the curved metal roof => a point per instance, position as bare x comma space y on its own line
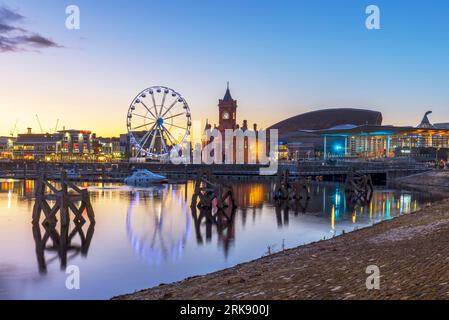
328, 118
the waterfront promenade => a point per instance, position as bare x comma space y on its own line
410, 251
116, 172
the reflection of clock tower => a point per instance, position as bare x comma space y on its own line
227, 108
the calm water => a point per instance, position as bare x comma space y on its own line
146, 236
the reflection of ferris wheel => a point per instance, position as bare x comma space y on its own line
158, 224
158, 119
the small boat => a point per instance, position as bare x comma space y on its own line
144, 177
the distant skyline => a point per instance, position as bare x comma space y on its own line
282, 58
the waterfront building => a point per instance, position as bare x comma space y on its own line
368, 141
355, 133
6, 147
298, 138
227, 119
125, 146
64, 145
35, 146
441, 125
77, 145
127, 149
227, 112
109, 148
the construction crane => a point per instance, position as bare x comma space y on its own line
15, 129
56, 126
39, 123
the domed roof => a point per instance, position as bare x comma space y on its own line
328, 118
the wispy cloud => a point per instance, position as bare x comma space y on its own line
16, 39
8, 15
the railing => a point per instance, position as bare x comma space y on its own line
101, 172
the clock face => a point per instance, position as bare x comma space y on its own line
225, 115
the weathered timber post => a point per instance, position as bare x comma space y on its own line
207, 192
64, 203
39, 194
285, 190
359, 187
63, 200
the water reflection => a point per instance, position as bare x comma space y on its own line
23, 189
56, 208
159, 220
158, 223
223, 221
251, 195
61, 244
151, 235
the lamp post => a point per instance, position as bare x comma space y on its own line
325, 147
436, 155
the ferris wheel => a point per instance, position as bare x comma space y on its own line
158, 119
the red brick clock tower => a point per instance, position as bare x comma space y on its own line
227, 112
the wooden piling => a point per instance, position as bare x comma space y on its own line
288, 189
50, 201
358, 187
207, 192
65, 202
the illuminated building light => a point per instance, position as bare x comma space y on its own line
338, 148
333, 218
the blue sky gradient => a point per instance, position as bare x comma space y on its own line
282, 58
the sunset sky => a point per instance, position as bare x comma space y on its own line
282, 58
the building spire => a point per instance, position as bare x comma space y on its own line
425, 123
227, 96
